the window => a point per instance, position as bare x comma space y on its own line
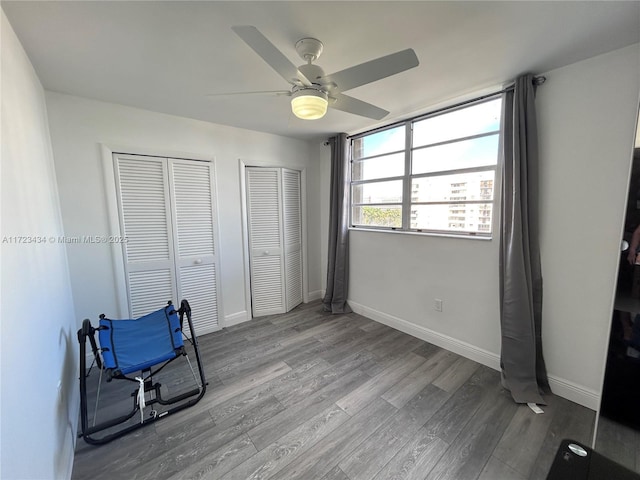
435, 173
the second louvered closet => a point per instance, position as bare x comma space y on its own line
168, 218
275, 239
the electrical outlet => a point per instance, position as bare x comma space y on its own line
437, 304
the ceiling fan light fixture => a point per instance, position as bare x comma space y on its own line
309, 104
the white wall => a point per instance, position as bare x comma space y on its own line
38, 329
586, 125
586, 115
79, 127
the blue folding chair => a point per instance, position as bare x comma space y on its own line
136, 351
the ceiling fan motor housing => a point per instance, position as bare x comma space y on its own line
312, 72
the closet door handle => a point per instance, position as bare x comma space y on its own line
198, 261
266, 252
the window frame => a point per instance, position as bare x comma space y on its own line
407, 205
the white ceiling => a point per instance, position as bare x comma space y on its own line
167, 56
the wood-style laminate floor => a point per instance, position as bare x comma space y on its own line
307, 395
619, 443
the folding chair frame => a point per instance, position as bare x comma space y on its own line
88, 332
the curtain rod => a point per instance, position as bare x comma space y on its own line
536, 81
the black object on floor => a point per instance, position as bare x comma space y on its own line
574, 461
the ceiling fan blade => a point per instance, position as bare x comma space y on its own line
357, 107
373, 70
257, 92
270, 54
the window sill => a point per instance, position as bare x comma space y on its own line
426, 234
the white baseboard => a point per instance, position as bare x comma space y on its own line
448, 343
317, 295
236, 318
561, 387
576, 393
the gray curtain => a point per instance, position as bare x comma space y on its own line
523, 370
335, 299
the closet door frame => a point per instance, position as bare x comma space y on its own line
243, 164
107, 153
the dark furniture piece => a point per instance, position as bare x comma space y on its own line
574, 461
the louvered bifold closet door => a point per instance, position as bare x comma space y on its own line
264, 212
194, 220
291, 202
145, 220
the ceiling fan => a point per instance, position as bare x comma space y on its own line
312, 91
